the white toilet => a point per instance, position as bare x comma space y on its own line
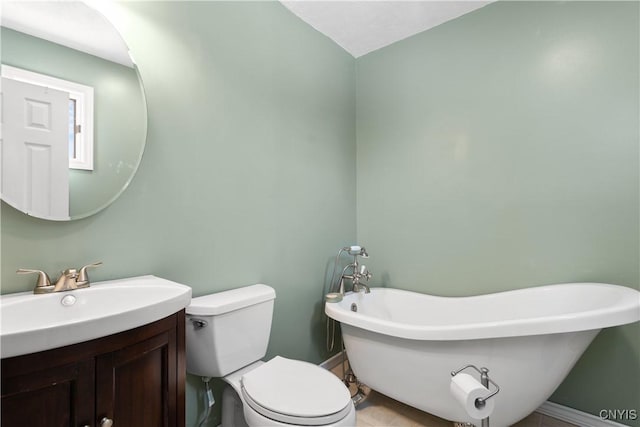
227, 335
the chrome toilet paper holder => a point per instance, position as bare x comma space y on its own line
484, 380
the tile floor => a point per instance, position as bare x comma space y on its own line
378, 410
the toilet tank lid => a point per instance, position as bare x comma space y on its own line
234, 299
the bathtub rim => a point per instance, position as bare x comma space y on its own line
624, 311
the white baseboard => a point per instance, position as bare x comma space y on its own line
574, 416
550, 409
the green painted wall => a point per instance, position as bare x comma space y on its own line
248, 174
497, 151
500, 151
119, 113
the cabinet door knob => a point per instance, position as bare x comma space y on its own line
106, 422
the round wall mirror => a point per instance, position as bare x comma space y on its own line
74, 116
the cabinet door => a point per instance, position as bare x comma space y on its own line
60, 396
136, 386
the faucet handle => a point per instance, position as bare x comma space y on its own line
364, 272
43, 278
82, 274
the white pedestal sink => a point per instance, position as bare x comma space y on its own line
30, 323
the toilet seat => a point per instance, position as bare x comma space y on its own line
296, 392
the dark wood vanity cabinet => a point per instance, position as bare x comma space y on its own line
135, 378
48, 396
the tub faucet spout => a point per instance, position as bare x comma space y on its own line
357, 287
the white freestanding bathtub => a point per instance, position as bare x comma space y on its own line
405, 344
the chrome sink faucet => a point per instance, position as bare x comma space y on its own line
69, 279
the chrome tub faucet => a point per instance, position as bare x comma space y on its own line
359, 272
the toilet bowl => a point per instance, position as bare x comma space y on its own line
286, 392
228, 334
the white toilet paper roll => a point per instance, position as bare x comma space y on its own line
466, 389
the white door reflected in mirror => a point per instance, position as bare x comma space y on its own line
35, 171
79, 117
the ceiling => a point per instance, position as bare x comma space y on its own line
69, 23
360, 27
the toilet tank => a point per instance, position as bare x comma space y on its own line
228, 330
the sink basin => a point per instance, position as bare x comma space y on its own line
31, 323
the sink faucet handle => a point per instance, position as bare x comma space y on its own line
43, 278
82, 274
